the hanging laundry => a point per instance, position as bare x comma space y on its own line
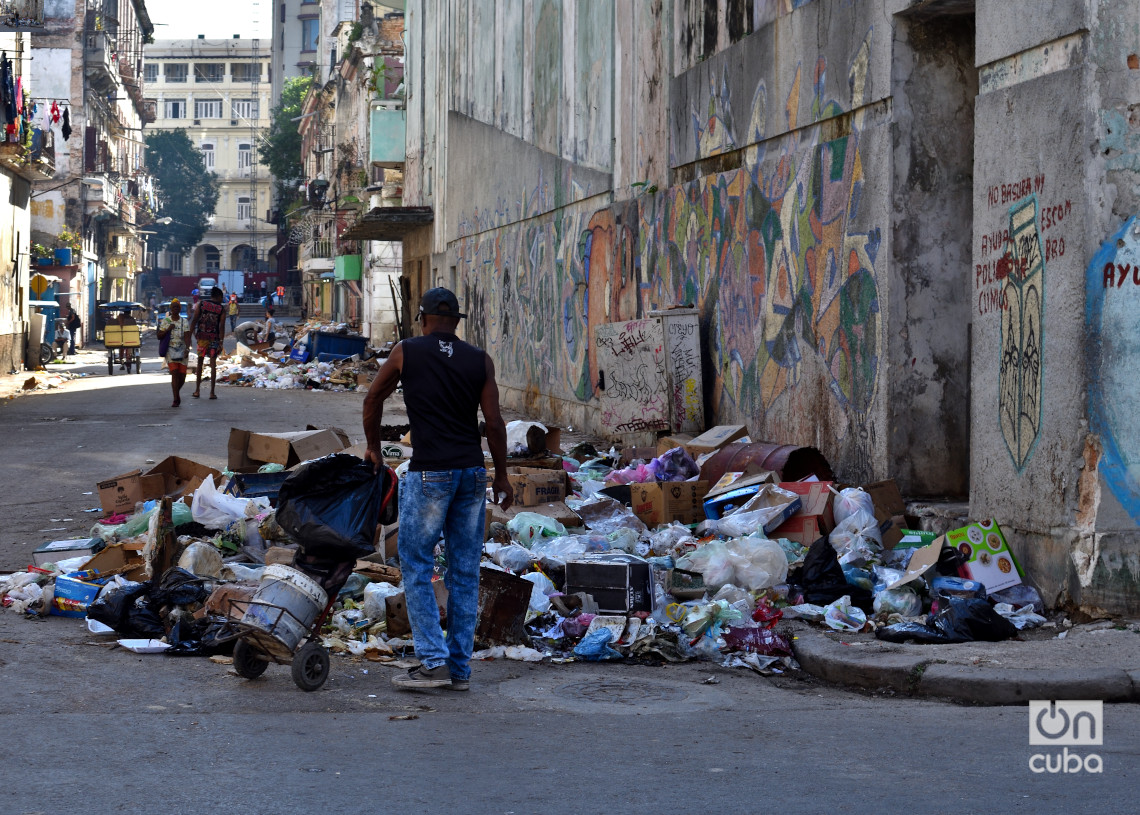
66, 130
53, 114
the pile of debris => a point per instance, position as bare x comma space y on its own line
320, 356
695, 549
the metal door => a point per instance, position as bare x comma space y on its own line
632, 380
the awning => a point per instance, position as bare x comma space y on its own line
388, 223
327, 275
43, 303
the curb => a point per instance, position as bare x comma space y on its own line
922, 674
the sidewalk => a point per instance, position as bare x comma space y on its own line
1096, 661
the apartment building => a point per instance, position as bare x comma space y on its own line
218, 92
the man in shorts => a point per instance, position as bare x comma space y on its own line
208, 328
178, 329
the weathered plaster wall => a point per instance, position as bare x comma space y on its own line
928, 395
781, 250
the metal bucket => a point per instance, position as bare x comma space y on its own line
301, 597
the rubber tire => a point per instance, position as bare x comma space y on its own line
138, 364
111, 364
47, 353
247, 663
310, 666
250, 336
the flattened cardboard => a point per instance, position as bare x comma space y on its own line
118, 558
662, 502
920, 562
715, 438
667, 443
737, 479
988, 559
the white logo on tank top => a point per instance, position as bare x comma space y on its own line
446, 348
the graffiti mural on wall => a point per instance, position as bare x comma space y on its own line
1113, 313
1022, 364
784, 283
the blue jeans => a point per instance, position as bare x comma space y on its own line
233, 323
452, 503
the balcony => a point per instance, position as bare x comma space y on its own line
37, 165
98, 61
317, 255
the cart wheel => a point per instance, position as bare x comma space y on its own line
110, 364
310, 666
138, 363
46, 353
247, 662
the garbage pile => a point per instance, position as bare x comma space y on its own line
692, 550
320, 356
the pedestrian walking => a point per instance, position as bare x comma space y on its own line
73, 325
174, 332
446, 382
207, 326
233, 310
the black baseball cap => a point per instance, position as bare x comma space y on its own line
441, 302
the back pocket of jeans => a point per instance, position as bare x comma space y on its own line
436, 485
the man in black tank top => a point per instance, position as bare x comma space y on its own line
446, 382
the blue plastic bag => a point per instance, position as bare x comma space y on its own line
595, 647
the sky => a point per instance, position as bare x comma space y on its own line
217, 19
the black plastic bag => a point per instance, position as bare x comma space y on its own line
822, 581
179, 587
331, 506
114, 604
972, 619
143, 620
202, 637
959, 620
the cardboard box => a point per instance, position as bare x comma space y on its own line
396, 610
803, 529
988, 559
533, 486
738, 479
619, 583
815, 498
556, 510
282, 555
72, 596
118, 558
365, 380
119, 495
631, 454
181, 476
662, 502
715, 438
55, 551
248, 450
890, 510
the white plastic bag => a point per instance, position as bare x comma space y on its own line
514, 557
375, 594
851, 500
902, 601
750, 563
539, 600
856, 536
529, 527
216, 510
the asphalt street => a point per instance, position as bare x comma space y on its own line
91, 727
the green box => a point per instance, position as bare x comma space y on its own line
347, 267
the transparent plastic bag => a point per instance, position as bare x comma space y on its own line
216, 510
606, 515
850, 501
529, 527
514, 557
543, 586
843, 616
903, 601
375, 595
857, 539
751, 563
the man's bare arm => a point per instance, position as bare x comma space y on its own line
382, 387
496, 435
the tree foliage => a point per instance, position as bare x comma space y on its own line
280, 148
188, 192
